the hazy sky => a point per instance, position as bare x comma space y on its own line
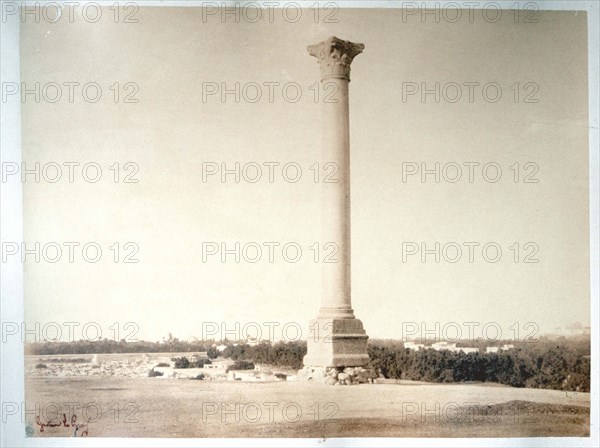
171, 54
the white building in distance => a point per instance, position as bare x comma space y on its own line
443, 345
498, 349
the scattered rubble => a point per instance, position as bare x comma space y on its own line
128, 369
144, 366
338, 375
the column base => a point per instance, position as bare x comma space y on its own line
336, 313
336, 342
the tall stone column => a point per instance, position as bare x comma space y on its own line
336, 337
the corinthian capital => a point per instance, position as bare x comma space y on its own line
335, 56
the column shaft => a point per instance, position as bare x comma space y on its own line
335, 202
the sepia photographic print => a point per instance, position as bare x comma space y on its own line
299, 223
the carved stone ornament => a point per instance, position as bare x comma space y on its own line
335, 56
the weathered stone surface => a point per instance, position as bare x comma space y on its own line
338, 376
337, 343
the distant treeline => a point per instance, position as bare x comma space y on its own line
562, 364
111, 346
546, 364
281, 354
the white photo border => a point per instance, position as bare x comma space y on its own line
11, 229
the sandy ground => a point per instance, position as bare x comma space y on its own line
162, 407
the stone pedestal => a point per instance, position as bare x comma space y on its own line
336, 337
336, 342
